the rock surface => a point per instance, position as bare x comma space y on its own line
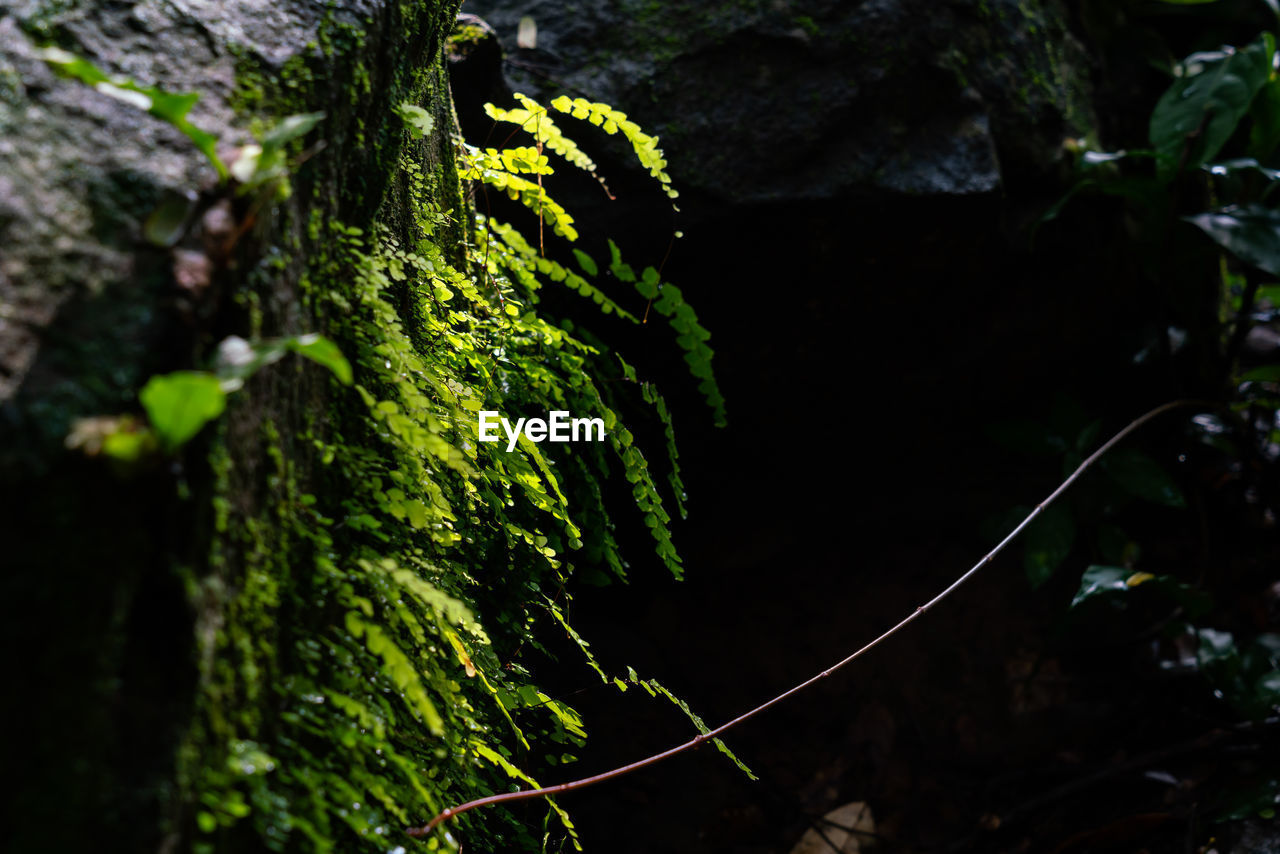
88, 306
913, 97
111, 584
80, 171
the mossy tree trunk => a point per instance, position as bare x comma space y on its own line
158, 614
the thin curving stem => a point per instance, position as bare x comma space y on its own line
528, 794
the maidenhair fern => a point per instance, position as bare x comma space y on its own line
513, 256
476, 343
526, 265
613, 121
492, 171
691, 335
373, 580
532, 117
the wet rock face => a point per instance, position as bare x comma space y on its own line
770, 101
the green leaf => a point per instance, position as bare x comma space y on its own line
620, 268
1049, 541
129, 445
1251, 233
290, 128
164, 105
323, 352
653, 685
179, 404
1217, 650
1201, 110
172, 108
585, 261
1099, 581
260, 164
1141, 476
420, 122
1265, 374
1238, 165
239, 359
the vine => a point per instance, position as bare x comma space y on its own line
706, 734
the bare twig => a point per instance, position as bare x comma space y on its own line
528, 794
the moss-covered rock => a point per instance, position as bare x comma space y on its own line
301, 629
153, 609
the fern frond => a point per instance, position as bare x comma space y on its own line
533, 118
651, 396
613, 121
521, 259
522, 160
530, 195
691, 335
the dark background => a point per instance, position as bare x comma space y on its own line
870, 339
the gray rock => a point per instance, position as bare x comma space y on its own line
913, 97
96, 296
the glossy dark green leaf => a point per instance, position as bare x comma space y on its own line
1266, 648
179, 404
1251, 233
1088, 436
1201, 110
1239, 165
1048, 543
1101, 581
1143, 477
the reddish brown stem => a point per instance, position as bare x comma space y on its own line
527, 794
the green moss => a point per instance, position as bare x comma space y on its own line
373, 569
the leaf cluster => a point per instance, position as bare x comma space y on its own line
424, 562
